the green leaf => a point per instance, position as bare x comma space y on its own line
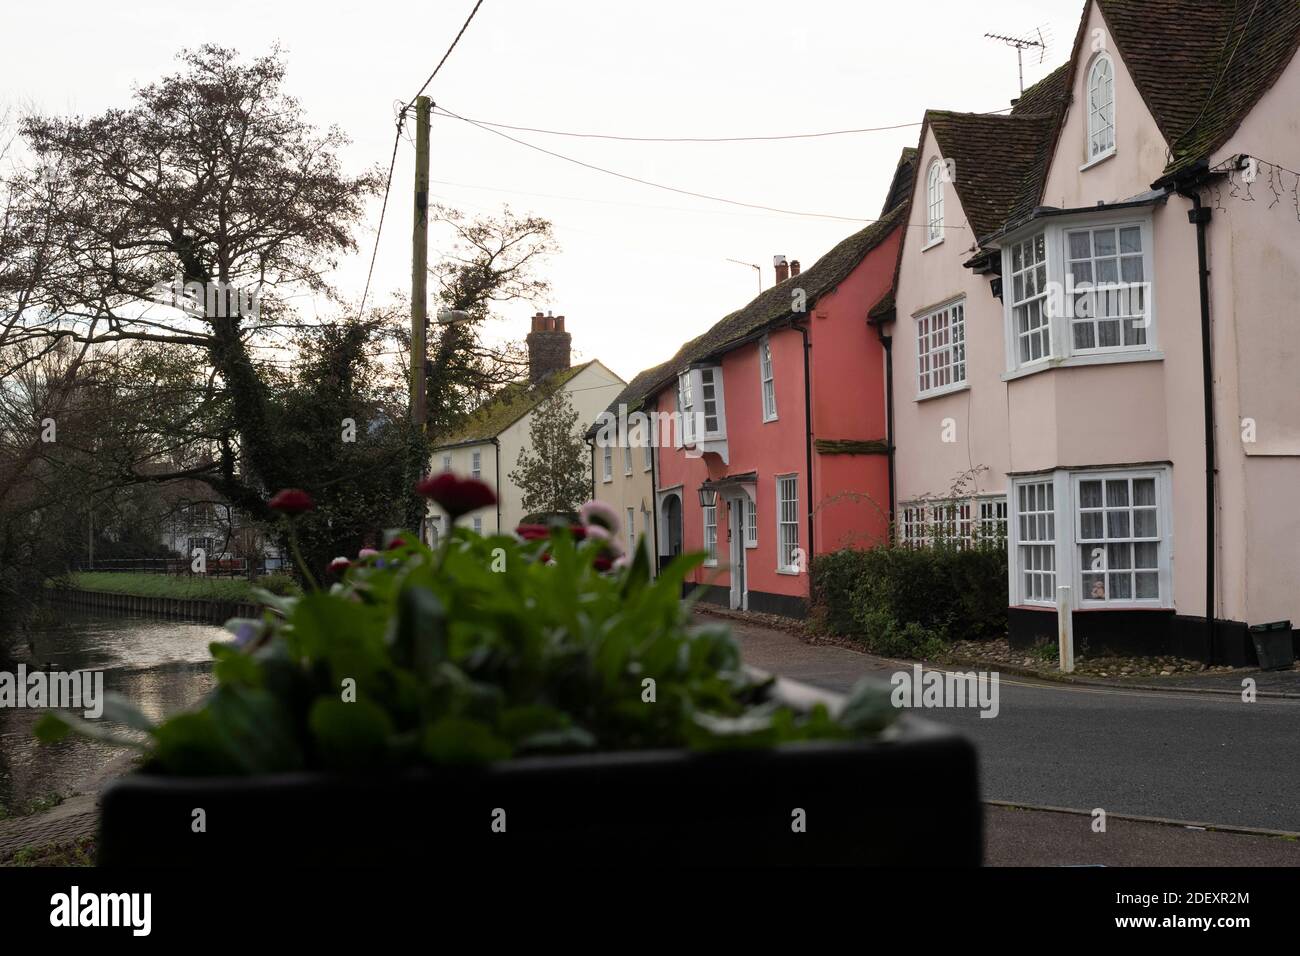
869, 708
459, 740
350, 736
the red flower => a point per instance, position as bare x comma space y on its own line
533, 532
456, 496
339, 565
292, 502
398, 541
603, 562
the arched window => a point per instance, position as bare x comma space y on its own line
1101, 108
934, 201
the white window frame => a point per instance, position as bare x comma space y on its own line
1097, 128
446, 462
1099, 549
649, 455
692, 405
607, 463
948, 343
710, 516
964, 522
1069, 564
631, 530
1034, 276
751, 522
768, 381
787, 530
478, 524
1119, 291
934, 180
476, 465
1037, 504
627, 459
1060, 300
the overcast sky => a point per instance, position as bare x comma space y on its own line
641, 270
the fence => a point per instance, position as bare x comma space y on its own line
216, 567
211, 611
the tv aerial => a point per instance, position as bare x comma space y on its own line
1022, 44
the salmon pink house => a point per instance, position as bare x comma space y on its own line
770, 429
1097, 334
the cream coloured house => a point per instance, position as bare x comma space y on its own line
487, 445
1133, 430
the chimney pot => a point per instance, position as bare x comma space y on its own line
794, 267
548, 347
782, 268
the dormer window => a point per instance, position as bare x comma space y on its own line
934, 202
1101, 109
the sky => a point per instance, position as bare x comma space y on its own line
641, 270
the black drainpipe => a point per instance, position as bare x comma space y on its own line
497, 443
654, 497
1199, 216
807, 434
888, 342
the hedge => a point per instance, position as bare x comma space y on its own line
909, 601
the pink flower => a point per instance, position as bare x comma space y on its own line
291, 502
457, 496
339, 565
598, 514
366, 553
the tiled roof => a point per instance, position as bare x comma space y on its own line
634, 393
1001, 161
507, 406
1202, 65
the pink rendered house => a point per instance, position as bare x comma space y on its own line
783, 450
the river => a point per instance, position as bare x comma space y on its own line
161, 665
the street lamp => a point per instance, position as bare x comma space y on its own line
453, 317
708, 496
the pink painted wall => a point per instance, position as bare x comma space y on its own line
850, 492
1146, 411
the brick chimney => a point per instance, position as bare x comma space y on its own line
794, 268
782, 268
548, 346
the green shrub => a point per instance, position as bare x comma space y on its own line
908, 601
483, 649
279, 583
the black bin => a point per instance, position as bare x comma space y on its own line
1273, 645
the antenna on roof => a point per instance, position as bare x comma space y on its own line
1022, 44
753, 266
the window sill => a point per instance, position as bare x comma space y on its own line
792, 572
751, 547
940, 392
1098, 161
710, 564
1082, 361
606, 481
772, 419
932, 243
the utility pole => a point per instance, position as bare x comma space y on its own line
420, 263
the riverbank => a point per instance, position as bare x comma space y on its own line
180, 587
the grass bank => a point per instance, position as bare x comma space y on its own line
183, 587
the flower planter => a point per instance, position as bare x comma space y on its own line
910, 797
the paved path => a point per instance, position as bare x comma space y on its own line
1179, 755
1014, 837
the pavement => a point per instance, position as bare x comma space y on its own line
1182, 754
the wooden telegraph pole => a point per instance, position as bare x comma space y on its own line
420, 264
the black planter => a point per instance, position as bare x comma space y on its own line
908, 799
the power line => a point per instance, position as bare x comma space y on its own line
446, 114
646, 182
392, 162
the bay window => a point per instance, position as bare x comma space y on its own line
1103, 533
702, 407
1079, 292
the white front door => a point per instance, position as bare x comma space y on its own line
739, 586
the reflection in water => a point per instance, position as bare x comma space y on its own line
161, 666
